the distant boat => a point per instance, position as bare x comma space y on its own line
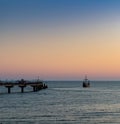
86, 82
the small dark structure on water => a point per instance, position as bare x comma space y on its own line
86, 82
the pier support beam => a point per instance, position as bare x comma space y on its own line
9, 87
22, 86
34, 88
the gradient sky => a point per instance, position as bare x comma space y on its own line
60, 39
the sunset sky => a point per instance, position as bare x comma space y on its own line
60, 39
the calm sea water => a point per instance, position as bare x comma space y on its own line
64, 102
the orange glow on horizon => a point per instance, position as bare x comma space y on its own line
62, 53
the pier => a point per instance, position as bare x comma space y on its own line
36, 85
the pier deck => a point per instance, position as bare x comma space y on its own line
36, 85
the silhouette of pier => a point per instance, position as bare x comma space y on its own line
36, 85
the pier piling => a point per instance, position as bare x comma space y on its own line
9, 86
22, 86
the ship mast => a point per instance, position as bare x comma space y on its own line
86, 78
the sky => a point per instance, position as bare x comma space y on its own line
60, 39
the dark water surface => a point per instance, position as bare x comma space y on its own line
64, 102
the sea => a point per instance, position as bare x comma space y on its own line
63, 102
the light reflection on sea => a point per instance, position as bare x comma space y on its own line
63, 102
